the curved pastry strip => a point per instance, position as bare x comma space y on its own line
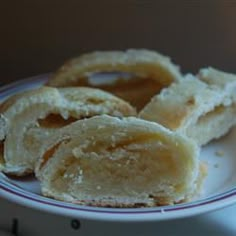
150, 70
27, 118
128, 162
204, 108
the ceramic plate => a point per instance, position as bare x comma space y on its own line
219, 188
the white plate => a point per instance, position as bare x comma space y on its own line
219, 188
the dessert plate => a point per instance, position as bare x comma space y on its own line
219, 188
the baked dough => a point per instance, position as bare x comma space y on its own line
118, 162
148, 72
27, 118
202, 107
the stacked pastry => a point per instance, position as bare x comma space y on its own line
86, 144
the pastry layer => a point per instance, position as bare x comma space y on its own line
128, 162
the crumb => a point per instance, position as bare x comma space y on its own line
219, 153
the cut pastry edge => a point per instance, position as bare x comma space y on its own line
203, 111
198, 192
149, 200
148, 72
13, 107
25, 125
118, 168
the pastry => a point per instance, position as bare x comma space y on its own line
141, 73
118, 162
27, 118
201, 107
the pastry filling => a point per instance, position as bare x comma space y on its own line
125, 169
50, 152
136, 90
213, 124
55, 121
211, 114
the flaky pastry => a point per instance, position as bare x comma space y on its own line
27, 118
118, 162
149, 72
202, 107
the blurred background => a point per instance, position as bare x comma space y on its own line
38, 36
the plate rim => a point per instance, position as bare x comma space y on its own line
38, 202
26, 198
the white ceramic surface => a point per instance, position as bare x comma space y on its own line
219, 187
